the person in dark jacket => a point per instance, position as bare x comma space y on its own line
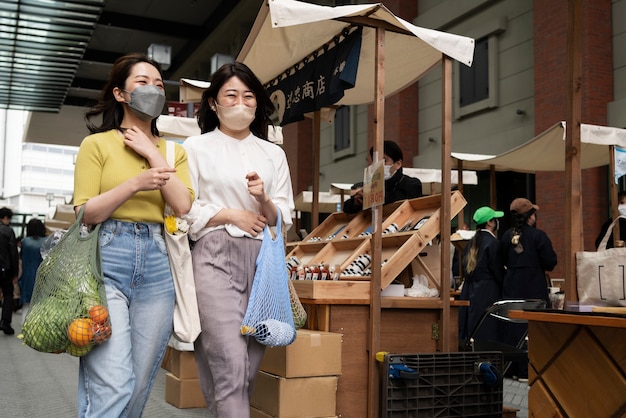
9, 265
527, 254
621, 209
31, 259
397, 185
484, 274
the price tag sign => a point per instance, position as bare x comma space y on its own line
374, 185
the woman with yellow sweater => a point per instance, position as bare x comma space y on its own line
123, 179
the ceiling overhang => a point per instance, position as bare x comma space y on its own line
41, 45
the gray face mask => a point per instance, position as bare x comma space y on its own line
147, 102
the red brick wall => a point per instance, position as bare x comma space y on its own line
550, 55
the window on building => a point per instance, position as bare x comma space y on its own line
343, 144
476, 87
474, 80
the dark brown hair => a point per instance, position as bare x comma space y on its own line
111, 110
207, 118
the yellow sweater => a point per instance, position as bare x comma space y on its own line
104, 161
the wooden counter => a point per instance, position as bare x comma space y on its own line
408, 325
577, 364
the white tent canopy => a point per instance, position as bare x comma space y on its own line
289, 31
433, 175
546, 151
177, 126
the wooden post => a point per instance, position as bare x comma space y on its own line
446, 166
459, 182
373, 385
613, 194
315, 203
573, 183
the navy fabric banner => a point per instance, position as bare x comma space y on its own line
320, 82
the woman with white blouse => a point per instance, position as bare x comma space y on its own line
241, 180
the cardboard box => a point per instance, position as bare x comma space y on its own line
313, 353
183, 393
182, 364
167, 359
296, 397
257, 413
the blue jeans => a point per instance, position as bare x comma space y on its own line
116, 377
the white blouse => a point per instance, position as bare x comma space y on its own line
218, 165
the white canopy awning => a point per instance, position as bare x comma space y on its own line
546, 151
177, 126
288, 31
433, 175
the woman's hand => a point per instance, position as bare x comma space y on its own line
154, 178
137, 140
247, 221
256, 188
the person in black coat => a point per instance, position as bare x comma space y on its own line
397, 185
527, 254
9, 268
621, 208
484, 273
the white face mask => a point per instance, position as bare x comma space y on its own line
621, 209
235, 118
388, 173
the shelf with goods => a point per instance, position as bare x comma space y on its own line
341, 239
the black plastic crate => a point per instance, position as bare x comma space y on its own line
443, 385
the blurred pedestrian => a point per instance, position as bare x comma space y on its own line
30, 256
9, 268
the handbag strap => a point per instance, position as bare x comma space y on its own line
75, 227
170, 153
608, 233
267, 234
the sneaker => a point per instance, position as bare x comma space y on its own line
522, 379
6, 328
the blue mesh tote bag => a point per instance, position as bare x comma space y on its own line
269, 317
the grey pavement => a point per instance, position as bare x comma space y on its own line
37, 385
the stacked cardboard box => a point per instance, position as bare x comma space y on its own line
182, 387
299, 380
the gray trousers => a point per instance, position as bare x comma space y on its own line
228, 362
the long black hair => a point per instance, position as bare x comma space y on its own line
471, 257
111, 110
207, 118
518, 221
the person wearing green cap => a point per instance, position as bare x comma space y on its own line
484, 273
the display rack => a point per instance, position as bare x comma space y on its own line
341, 238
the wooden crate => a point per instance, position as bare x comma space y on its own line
399, 249
333, 224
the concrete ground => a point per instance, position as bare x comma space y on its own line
34, 385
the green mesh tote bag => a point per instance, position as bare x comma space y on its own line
269, 317
68, 310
